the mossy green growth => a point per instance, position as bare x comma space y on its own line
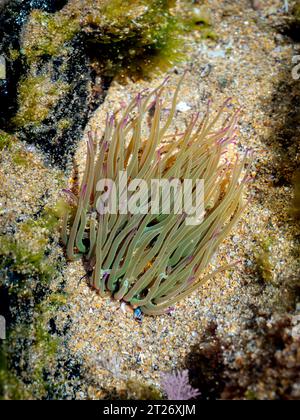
37, 360
64, 124
142, 391
6, 140
262, 255
29, 266
45, 348
146, 21
57, 300
14, 54
46, 34
20, 158
25, 252
11, 387
250, 395
23, 259
198, 18
40, 358
38, 95
132, 36
135, 37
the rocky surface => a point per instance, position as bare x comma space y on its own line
61, 57
239, 334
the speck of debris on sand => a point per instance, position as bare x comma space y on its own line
245, 63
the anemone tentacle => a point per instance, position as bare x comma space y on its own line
154, 260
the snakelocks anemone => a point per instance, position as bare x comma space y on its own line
152, 259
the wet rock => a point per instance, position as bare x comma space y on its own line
13, 16
291, 24
62, 55
53, 102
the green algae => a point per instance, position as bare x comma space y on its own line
138, 390
27, 251
11, 387
6, 140
38, 95
262, 255
23, 259
198, 18
46, 34
31, 286
14, 54
135, 31
20, 158
63, 124
28, 271
148, 26
141, 38
135, 38
44, 348
141, 54
57, 300
147, 22
38, 359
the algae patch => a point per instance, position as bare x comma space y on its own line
124, 35
6, 140
38, 95
31, 283
53, 31
67, 57
263, 258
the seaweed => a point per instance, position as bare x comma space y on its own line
260, 363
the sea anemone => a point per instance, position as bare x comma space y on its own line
151, 261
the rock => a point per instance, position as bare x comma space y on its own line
63, 55
218, 53
183, 107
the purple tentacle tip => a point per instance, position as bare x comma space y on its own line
83, 192
170, 310
112, 120
191, 280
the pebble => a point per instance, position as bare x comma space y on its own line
217, 53
183, 107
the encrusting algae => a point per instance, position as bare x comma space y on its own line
120, 32
131, 29
38, 95
68, 58
30, 267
